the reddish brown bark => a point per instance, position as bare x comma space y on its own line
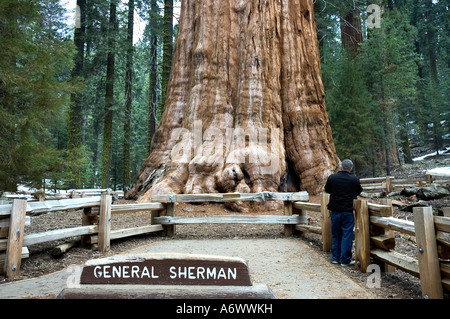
242, 71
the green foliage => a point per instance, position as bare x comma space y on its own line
392, 75
351, 116
35, 64
385, 98
94, 94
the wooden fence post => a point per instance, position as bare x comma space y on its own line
362, 235
288, 229
390, 233
169, 230
430, 274
326, 222
104, 223
446, 211
89, 217
15, 238
389, 187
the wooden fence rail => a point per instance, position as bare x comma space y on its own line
169, 220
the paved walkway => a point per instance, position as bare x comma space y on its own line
287, 265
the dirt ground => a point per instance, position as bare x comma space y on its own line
398, 285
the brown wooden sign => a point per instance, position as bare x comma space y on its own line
167, 269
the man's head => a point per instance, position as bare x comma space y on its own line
347, 165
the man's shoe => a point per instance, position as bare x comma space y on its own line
334, 262
351, 263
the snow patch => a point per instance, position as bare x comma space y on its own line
439, 171
445, 151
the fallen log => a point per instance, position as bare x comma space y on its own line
61, 249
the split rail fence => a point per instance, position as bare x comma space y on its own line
374, 229
95, 226
389, 184
97, 217
375, 244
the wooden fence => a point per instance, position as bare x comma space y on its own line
374, 238
374, 229
389, 184
98, 213
71, 193
375, 241
95, 226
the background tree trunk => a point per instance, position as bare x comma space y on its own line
128, 98
153, 94
167, 49
76, 104
245, 108
109, 98
351, 34
434, 81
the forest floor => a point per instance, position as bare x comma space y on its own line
395, 285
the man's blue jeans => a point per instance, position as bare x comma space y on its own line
342, 225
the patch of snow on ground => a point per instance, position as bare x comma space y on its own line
445, 151
439, 171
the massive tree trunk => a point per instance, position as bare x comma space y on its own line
245, 108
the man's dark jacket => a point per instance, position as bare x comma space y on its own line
343, 187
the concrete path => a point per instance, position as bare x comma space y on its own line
287, 265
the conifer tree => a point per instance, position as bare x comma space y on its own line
74, 147
128, 97
391, 67
153, 73
167, 49
109, 97
35, 65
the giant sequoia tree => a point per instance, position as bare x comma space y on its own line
245, 107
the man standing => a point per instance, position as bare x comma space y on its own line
343, 187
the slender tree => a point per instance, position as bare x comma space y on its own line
153, 73
128, 97
431, 34
76, 106
109, 97
167, 49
